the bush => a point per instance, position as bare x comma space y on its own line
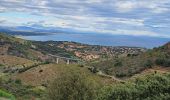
1, 65
93, 69
120, 74
38, 91
150, 87
148, 64
18, 81
118, 63
81, 65
73, 85
163, 62
159, 61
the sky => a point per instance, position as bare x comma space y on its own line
149, 18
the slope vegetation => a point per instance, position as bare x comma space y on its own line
132, 64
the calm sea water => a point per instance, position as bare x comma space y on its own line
102, 39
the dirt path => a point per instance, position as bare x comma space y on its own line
110, 76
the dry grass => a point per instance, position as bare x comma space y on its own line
41, 74
44, 74
37, 54
9, 60
154, 70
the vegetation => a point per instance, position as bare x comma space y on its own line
149, 87
6, 95
19, 90
1, 65
121, 67
130, 65
38, 79
32, 66
20, 50
44, 47
73, 85
163, 62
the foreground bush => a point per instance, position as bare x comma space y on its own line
76, 85
73, 85
151, 87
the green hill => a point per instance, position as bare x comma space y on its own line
132, 64
29, 49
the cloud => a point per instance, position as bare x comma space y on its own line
128, 17
154, 6
125, 6
2, 21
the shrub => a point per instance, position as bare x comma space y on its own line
149, 87
1, 65
73, 85
81, 65
148, 64
93, 69
118, 63
18, 81
163, 62
120, 74
159, 61
38, 91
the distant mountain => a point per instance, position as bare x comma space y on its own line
33, 30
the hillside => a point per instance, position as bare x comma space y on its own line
130, 65
88, 52
28, 72
117, 61
39, 50
26, 49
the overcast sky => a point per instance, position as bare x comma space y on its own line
120, 17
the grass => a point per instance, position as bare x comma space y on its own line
1, 65
43, 74
13, 61
6, 95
